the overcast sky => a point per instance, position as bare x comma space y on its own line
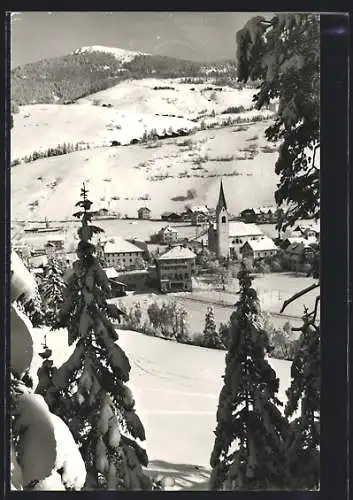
200, 36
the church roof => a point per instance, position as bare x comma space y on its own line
221, 200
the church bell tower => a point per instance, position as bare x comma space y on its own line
222, 221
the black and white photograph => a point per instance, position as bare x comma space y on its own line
165, 251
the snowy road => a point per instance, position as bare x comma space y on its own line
176, 389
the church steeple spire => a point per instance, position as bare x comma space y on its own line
221, 200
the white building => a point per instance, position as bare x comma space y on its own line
256, 249
240, 233
168, 234
121, 254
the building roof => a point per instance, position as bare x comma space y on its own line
168, 229
168, 214
110, 272
304, 226
144, 208
199, 209
261, 245
297, 248
269, 208
178, 253
221, 199
301, 239
242, 229
121, 246
39, 260
37, 270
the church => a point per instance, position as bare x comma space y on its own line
226, 237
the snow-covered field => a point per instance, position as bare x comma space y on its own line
122, 178
176, 388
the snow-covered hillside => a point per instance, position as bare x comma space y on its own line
158, 174
124, 112
156, 96
176, 388
123, 55
125, 178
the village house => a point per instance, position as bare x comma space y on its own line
38, 273
298, 257
186, 216
168, 235
240, 233
250, 215
298, 239
117, 287
50, 251
269, 214
198, 214
307, 230
38, 261
258, 249
57, 241
265, 214
175, 268
121, 254
143, 245
144, 213
171, 217
134, 279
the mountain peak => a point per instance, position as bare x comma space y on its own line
123, 55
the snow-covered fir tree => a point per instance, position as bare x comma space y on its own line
89, 391
249, 451
52, 289
211, 336
44, 455
303, 445
32, 307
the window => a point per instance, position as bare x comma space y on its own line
224, 219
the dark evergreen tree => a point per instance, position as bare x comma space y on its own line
211, 336
249, 451
33, 309
283, 54
52, 289
89, 391
303, 446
